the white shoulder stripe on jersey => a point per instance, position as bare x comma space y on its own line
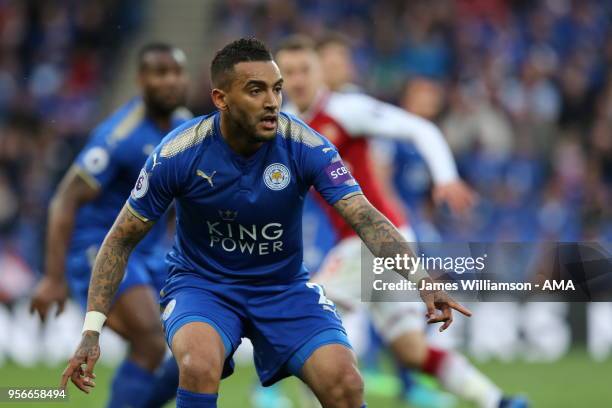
127, 124
298, 132
189, 137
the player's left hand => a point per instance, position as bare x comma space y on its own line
457, 194
440, 300
47, 292
86, 354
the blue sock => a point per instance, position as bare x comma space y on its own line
165, 385
188, 399
131, 386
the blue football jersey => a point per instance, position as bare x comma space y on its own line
111, 162
238, 219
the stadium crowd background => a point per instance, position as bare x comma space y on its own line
522, 90
54, 60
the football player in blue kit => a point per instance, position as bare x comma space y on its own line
87, 201
238, 178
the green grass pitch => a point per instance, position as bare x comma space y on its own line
574, 381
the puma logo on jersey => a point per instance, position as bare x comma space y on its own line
327, 149
207, 177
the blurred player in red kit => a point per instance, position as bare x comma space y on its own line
349, 120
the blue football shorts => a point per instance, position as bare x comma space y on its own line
286, 323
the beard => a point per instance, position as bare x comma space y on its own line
162, 106
248, 126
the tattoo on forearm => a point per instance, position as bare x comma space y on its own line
376, 231
112, 258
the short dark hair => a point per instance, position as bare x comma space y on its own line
296, 42
153, 47
332, 37
242, 50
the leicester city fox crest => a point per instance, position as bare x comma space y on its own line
276, 176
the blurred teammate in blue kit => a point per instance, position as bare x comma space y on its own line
238, 178
87, 201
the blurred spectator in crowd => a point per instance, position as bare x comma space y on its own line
54, 59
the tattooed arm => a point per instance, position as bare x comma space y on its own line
384, 240
109, 268
375, 230
108, 271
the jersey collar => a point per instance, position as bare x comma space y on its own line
238, 159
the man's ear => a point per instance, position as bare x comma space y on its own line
219, 98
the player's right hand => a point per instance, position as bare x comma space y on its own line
87, 355
440, 300
47, 292
459, 197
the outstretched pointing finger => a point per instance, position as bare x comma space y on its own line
460, 308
